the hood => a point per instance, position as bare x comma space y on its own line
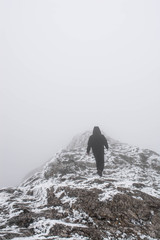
96, 131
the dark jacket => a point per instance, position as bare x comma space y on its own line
97, 141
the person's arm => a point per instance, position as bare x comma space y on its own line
105, 142
89, 145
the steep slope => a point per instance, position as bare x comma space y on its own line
67, 200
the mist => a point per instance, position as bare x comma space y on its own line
66, 66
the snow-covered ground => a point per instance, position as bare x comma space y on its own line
126, 167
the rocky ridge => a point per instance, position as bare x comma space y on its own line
68, 200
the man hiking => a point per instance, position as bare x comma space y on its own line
97, 141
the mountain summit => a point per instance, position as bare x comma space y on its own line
66, 199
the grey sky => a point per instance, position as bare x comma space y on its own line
66, 66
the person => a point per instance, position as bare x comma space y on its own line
97, 141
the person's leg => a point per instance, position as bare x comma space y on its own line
99, 163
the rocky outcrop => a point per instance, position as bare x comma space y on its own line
128, 214
67, 200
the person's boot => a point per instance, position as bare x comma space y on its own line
99, 172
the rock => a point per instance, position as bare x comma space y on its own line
52, 200
138, 185
23, 220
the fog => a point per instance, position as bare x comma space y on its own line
66, 66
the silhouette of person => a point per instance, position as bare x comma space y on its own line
97, 141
